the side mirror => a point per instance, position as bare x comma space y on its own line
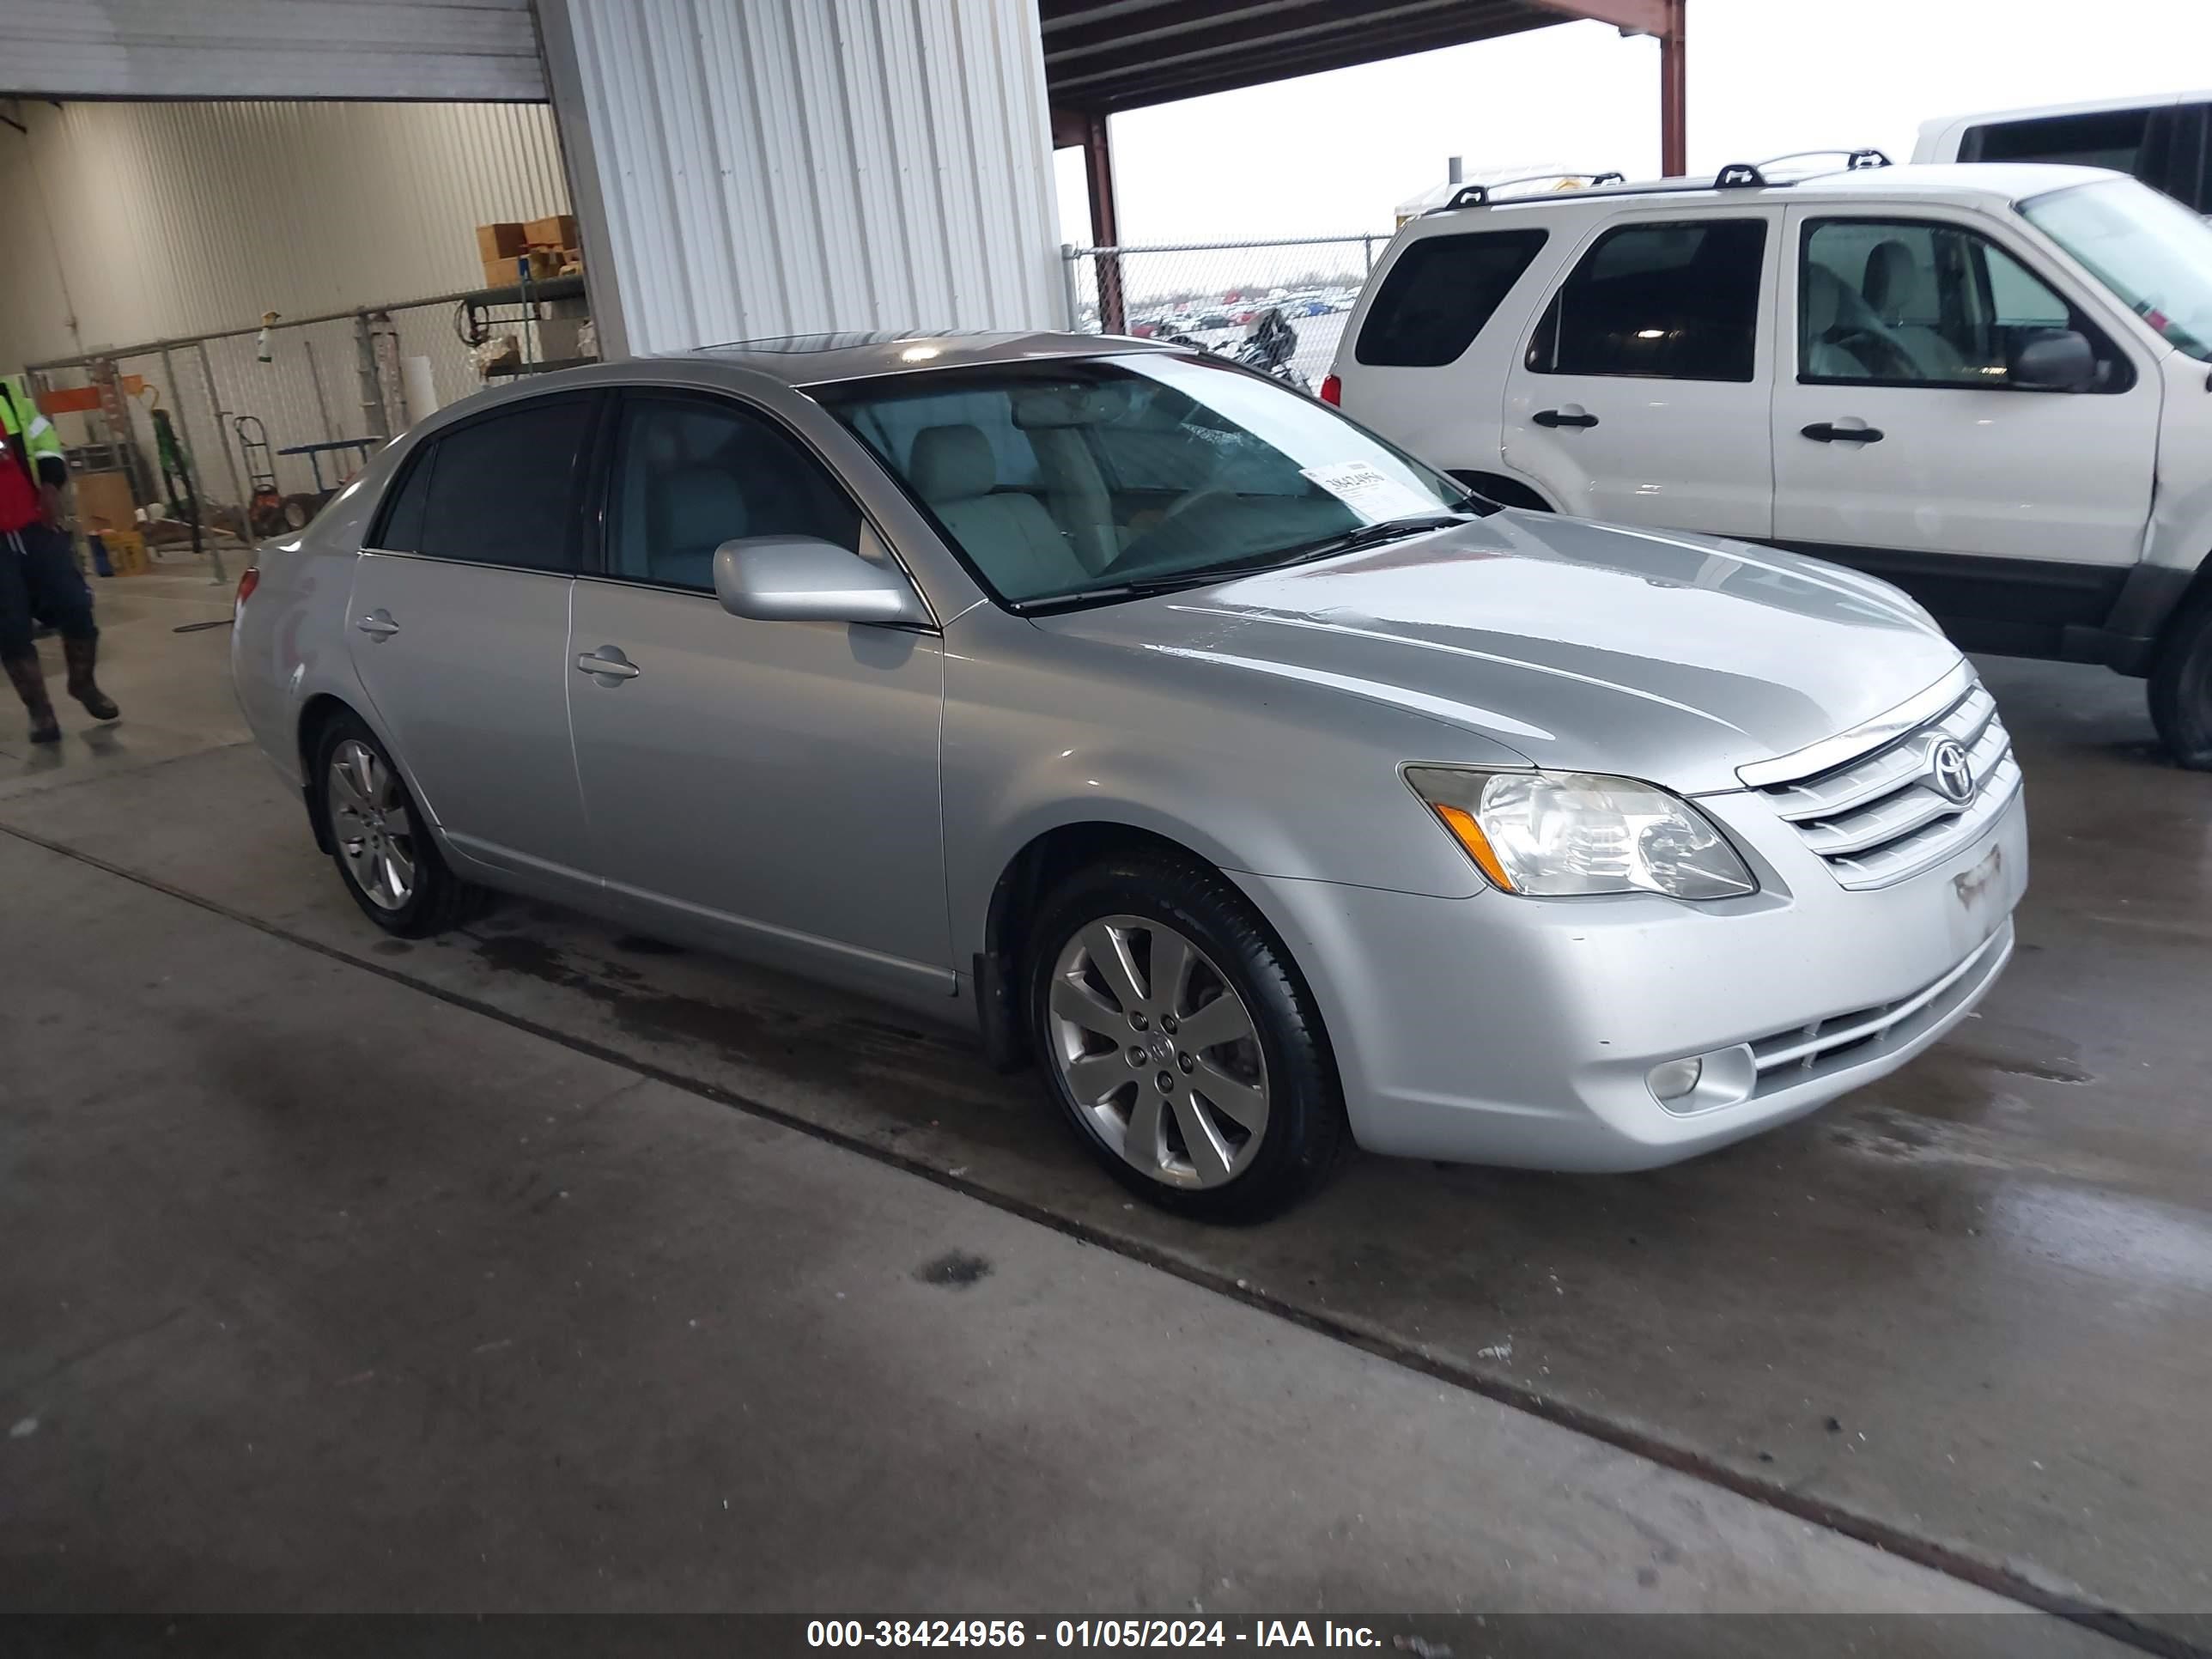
2059, 360
801, 578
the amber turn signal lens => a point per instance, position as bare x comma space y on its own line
1469, 835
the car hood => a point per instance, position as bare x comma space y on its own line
1668, 657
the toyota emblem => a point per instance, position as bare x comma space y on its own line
1951, 772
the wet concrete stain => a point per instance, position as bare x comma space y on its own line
956, 1270
392, 947
935, 1070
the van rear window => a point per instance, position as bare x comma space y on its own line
1436, 299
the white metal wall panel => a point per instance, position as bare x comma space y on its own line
450, 49
764, 169
169, 220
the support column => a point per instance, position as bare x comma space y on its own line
1105, 222
1675, 92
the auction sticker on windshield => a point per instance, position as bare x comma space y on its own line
1369, 491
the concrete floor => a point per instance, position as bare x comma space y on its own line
1961, 1314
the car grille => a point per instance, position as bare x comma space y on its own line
1879, 817
1789, 1058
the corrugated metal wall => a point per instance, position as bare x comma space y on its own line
766, 169
474, 49
176, 219
161, 221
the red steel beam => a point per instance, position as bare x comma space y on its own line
1636, 16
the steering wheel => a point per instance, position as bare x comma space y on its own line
1897, 362
1171, 519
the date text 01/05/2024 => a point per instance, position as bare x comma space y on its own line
1088, 1633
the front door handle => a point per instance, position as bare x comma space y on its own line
377, 624
1573, 414
607, 665
1822, 431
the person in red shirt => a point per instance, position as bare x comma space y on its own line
39, 578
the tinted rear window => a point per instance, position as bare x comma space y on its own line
1439, 294
1676, 301
499, 490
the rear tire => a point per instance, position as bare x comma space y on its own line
1205, 1083
2181, 687
386, 855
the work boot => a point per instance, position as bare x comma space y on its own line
80, 654
31, 685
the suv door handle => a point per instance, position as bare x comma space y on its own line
607, 665
377, 624
1572, 415
1821, 432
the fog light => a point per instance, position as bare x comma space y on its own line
1671, 1080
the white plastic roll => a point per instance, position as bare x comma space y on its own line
417, 388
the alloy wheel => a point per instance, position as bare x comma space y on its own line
1158, 1052
372, 825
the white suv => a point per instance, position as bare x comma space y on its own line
1988, 384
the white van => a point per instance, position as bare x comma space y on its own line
2164, 141
1991, 384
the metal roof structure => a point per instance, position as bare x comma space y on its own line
1105, 56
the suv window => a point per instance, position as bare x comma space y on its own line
499, 490
691, 473
1676, 301
1439, 294
1917, 303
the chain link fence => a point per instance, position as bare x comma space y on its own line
1211, 292
329, 390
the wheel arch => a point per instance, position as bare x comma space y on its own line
1039, 864
315, 717
1504, 490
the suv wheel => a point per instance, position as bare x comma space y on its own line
2181, 687
1180, 1040
388, 861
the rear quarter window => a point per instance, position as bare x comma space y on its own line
1436, 296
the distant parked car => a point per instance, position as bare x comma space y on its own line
2164, 141
1161, 727
1986, 383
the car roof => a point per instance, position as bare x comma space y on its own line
2043, 112
2009, 181
802, 360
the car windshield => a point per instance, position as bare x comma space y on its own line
2148, 248
1089, 479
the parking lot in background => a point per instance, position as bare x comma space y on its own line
1959, 1316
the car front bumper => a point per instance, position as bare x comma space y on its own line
1500, 1029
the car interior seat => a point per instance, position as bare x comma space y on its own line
1896, 288
1008, 534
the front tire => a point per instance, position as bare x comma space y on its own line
386, 855
1180, 1040
2181, 687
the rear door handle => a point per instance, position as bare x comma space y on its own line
607, 665
377, 624
1571, 416
1822, 431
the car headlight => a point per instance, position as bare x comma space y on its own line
1559, 835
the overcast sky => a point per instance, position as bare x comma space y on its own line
1337, 152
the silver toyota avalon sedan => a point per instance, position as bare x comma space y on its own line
1249, 778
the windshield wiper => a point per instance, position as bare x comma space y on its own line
1138, 587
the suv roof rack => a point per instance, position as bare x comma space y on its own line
1736, 175
1752, 175
1479, 195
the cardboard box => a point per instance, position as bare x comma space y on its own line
544, 265
500, 242
556, 230
103, 501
